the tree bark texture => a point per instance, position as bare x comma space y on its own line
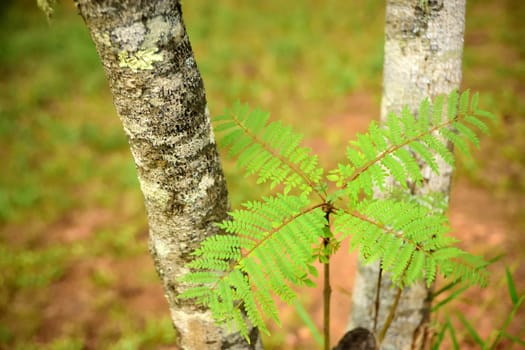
423, 53
159, 96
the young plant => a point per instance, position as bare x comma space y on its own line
270, 245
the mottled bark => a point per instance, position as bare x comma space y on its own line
423, 52
159, 96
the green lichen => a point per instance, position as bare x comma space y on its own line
140, 60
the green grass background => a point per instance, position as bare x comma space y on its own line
63, 152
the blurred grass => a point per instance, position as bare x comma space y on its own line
63, 152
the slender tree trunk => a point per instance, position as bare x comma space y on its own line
423, 52
159, 96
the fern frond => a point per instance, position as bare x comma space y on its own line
437, 109
439, 148
403, 260
416, 268
272, 151
268, 248
464, 267
477, 123
430, 271
409, 239
452, 103
394, 149
467, 133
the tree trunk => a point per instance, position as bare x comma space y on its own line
159, 95
423, 52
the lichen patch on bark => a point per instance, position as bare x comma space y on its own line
196, 323
129, 38
159, 196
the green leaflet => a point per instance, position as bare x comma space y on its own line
271, 151
408, 239
267, 248
392, 150
270, 241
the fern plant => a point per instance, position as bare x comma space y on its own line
269, 246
